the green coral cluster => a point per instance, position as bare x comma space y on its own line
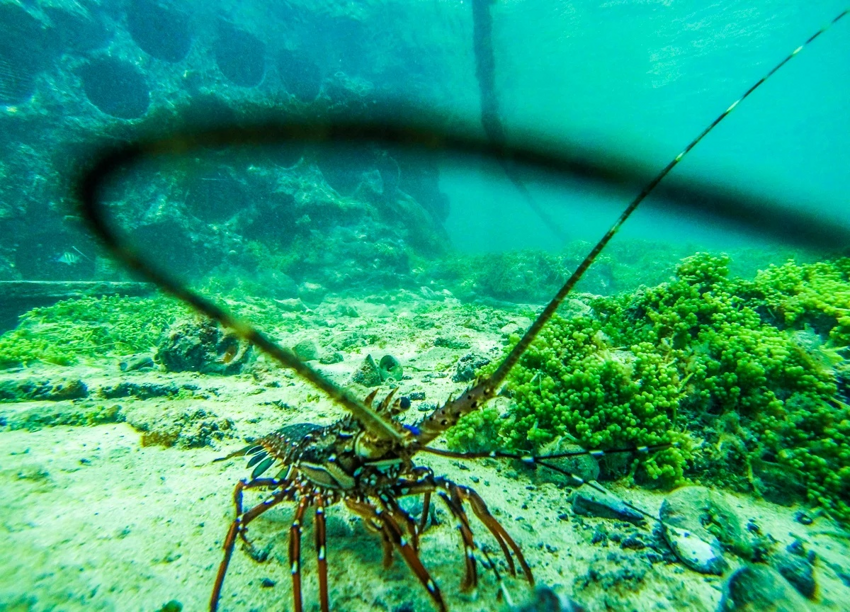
747, 374
71, 330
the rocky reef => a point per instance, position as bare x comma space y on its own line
77, 76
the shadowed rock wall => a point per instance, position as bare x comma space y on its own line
76, 75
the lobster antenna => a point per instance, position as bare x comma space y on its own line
510, 361
370, 419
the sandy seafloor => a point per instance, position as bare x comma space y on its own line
91, 519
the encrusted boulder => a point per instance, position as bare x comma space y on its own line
200, 345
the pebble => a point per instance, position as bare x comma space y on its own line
291, 305
694, 552
589, 501
452, 343
797, 570
510, 328
686, 515
757, 588
134, 363
333, 357
467, 367
312, 293
307, 350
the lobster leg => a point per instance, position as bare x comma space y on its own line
250, 515
237, 527
390, 505
426, 508
394, 533
320, 532
295, 553
470, 579
499, 532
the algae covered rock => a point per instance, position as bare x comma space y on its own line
581, 464
33, 389
200, 345
468, 366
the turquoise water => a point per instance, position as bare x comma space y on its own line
712, 357
647, 77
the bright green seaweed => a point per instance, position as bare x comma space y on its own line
72, 330
749, 376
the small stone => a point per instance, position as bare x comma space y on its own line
429, 294
698, 523
796, 548
547, 600
196, 344
291, 305
346, 310
694, 552
803, 518
510, 328
416, 395
452, 343
633, 542
267, 583
591, 501
331, 358
307, 350
135, 363
797, 570
467, 367
581, 464
756, 588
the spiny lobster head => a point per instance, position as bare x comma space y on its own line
345, 455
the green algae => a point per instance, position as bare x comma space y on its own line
74, 330
713, 362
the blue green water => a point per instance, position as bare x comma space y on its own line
117, 405
647, 77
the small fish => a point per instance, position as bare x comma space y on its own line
68, 258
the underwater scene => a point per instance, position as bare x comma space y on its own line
415, 305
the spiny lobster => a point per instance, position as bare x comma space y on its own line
364, 460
